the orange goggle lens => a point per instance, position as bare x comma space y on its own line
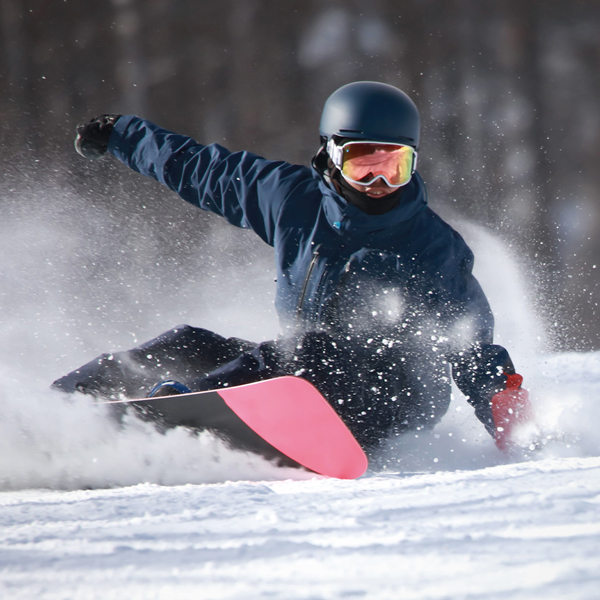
364, 162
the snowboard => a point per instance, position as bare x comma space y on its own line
285, 419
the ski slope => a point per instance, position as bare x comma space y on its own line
91, 510
517, 531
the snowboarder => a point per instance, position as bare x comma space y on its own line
375, 292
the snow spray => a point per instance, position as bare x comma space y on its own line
560, 385
82, 276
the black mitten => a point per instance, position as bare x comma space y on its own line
92, 137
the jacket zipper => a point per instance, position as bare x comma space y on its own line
309, 272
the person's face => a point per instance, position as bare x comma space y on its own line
373, 168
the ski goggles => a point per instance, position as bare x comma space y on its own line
365, 162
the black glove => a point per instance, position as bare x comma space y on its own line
92, 137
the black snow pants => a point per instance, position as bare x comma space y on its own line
378, 390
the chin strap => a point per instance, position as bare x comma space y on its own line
511, 410
319, 163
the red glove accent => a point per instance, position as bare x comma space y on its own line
510, 408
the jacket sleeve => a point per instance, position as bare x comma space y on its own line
480, 373
245, 189
479, 367
453, 293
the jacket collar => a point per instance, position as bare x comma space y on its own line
346, 218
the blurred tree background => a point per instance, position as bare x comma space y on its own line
509, 92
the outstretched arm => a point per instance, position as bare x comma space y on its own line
245, 189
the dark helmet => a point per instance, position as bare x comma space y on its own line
367, 110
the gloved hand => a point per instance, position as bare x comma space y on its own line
512, 414
92, 137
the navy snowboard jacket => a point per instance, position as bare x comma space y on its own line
404, 274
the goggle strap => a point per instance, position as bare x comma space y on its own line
335, 153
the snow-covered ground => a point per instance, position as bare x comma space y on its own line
89, 510
525, 531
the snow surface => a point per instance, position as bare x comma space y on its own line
514, 531
91, 510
